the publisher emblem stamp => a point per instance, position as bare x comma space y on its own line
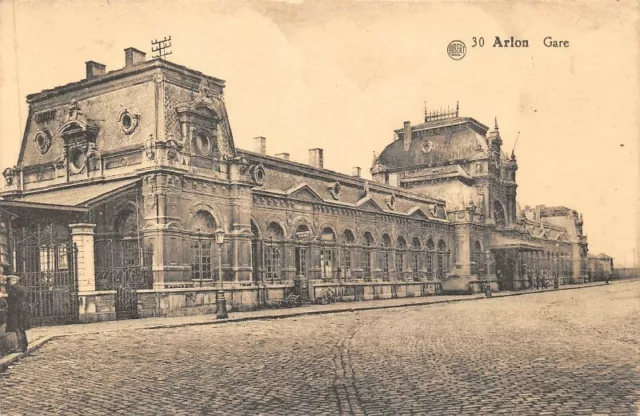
456, 50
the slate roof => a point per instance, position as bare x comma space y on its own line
464, 143
78, 196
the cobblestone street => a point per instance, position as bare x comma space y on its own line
572, 352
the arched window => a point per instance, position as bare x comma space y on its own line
431, 248
478, 259
201, 247
302, 232
203, 221
415, 261
327, 254
126, 223
366, 257
442, 259
345, 260
401, 248
498, 213
273, 249
256, 253
384, 257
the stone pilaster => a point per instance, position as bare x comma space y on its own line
463, 249
82, 236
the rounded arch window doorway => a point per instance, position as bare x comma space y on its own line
302, 234
202, 250
328, 253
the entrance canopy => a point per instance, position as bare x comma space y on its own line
500, 242
79, 196
73, 201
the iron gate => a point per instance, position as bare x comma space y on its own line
45, 259
123, 266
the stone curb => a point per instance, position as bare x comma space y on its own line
8, 360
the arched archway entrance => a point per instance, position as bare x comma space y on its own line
302, 238
328, 254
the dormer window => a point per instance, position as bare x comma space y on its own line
77, 159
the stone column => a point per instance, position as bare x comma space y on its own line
82, 237
463, 249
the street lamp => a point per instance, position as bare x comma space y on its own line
221, 302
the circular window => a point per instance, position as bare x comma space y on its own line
126, 121
43, 141
203, 143
129, 120
78, 160
257, 172
427, 146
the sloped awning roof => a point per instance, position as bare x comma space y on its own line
76, 198
500, 242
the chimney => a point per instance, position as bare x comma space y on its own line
284, 156
133, 56
94, 69
356, 171
260, 145
407, 135
315, 158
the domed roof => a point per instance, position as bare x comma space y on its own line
437, 143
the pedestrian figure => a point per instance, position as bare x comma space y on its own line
538, 280
487, 290
18, 311
556, 283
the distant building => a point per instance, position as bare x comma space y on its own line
600, 266
125, 178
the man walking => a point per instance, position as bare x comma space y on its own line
18, 311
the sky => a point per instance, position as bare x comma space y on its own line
342, 75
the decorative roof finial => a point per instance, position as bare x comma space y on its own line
425, 111
495, 120
457, 108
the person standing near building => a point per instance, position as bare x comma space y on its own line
18, 311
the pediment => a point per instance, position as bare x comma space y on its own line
417, 212
369, 204
305, 193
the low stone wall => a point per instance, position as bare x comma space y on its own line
320, 291
97, 306
101, 305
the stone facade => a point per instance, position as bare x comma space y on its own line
140, 164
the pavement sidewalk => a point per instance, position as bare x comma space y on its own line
39, 336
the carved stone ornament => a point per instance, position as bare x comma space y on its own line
258, 174
93, 157
9, 174
203, 89
73, 112
43, 141
334, 190
149, 147
391, 201
129, 119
